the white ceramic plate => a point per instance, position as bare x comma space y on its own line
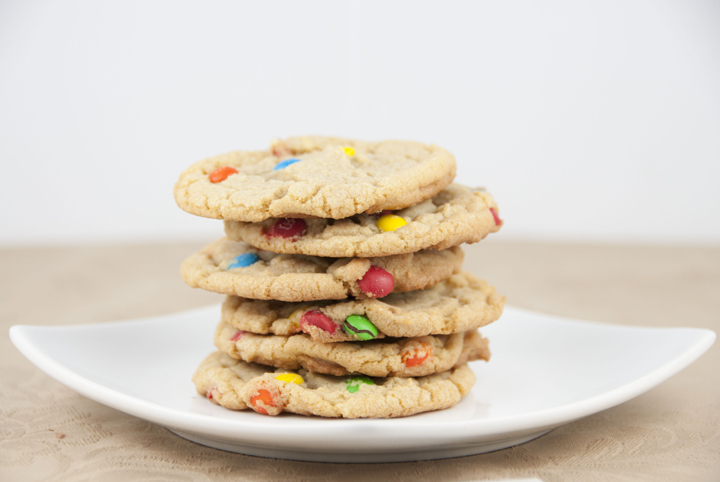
545, 371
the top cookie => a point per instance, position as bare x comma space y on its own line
314, 176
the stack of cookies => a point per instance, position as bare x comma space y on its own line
341, 267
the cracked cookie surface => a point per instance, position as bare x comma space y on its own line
239, 385
456, 215
461, 303
235, 268
314, 176
399, 357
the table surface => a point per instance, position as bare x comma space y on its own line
48, 432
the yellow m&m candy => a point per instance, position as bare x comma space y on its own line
290, 378
390, 222
349, 151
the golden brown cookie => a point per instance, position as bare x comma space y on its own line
461, 303
398, 357
238, 385
235, 268
456, 215
314, 176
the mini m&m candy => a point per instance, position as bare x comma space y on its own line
360, 327
244, 260
238, 335
221, 173
390, 222
286, 228
284, 164
290, 378
318, 319
349, 151
353, 384
377, 282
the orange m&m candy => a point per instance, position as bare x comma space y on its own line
222, 173
262, 396
417, 355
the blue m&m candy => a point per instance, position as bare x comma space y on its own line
244, 260
285, 163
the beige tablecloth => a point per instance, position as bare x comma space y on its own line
48, 432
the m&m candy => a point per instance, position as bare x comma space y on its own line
290, 378
390, 222
360, 327
221, 173
286, 228
244, 260
417, 355
238, 335
353, 384
377, 282
263, 396
318, 319
284, 164
349, 151
496, 217
296, 319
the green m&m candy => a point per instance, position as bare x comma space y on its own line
353, 384
360, 327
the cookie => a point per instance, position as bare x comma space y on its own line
396, 357
238, 385
314, 176
456, 215
235, 268
456, 305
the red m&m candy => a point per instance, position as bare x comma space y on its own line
316, 318
496, 216
238, 335
286, 228
377, 282
222, 173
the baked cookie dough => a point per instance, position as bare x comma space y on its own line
238, 385
324, 177
235, 268
461, 303
394, 357
456, 215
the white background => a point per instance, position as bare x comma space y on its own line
593, 121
